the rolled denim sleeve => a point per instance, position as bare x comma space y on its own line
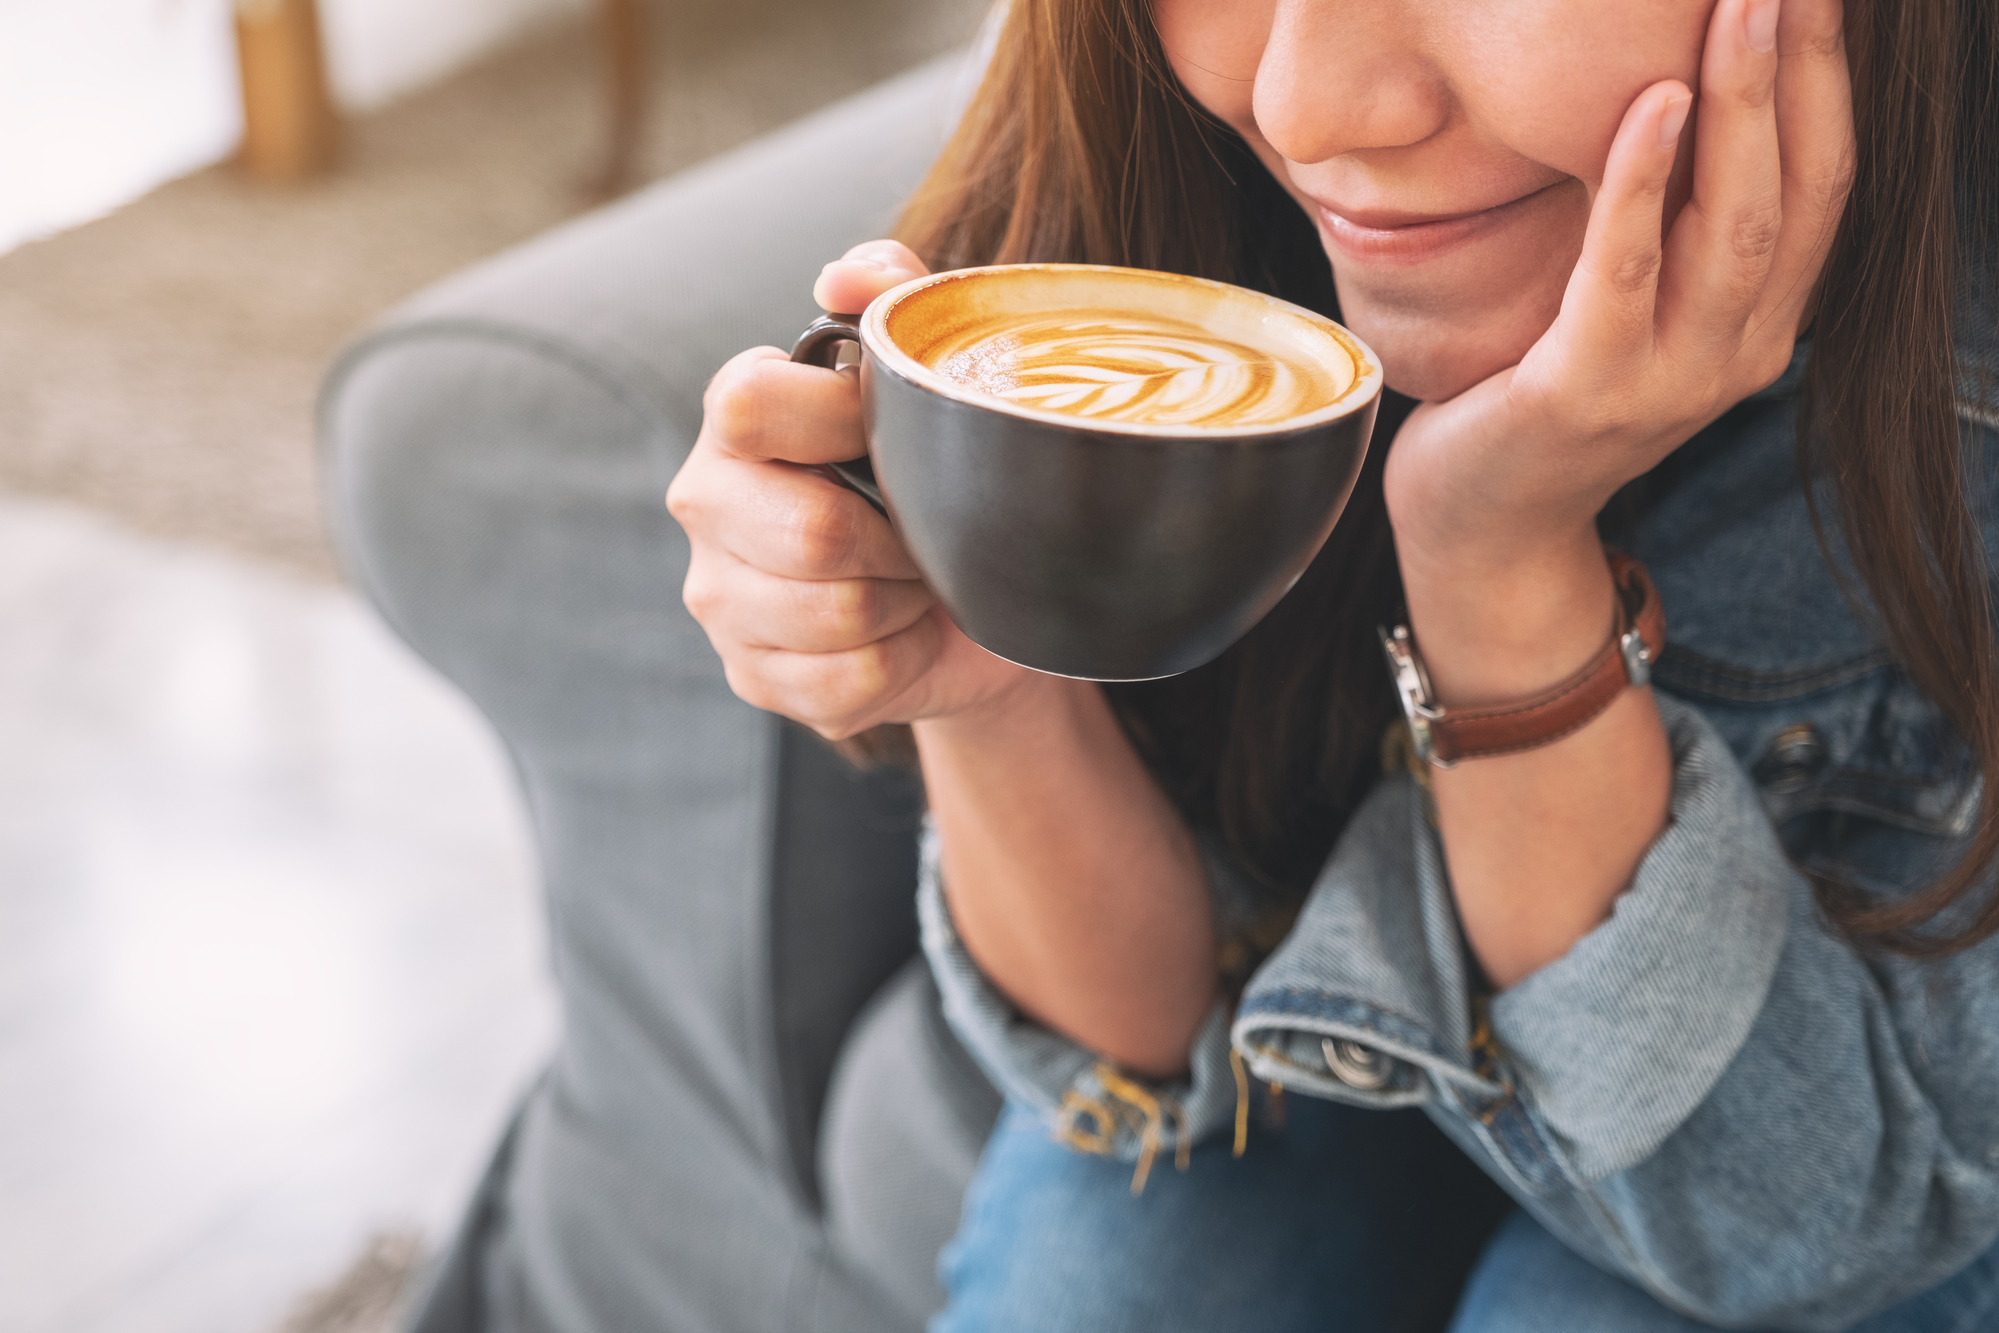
1617, 1042
1711, 1093
1612, 1046
1040, 1068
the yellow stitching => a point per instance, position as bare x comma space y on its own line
1145, 1105
1076, 1105
1241, 1101
1487, 1065
1128, 1103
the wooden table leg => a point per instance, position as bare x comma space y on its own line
621, 38
290, 129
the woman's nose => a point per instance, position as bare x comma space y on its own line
1341, 76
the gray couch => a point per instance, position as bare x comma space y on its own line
756, 1118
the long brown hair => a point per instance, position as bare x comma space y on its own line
1081, 146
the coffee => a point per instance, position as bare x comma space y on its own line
1144, 369
1157, 352
1104, 473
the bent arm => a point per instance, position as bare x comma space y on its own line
1071, 879
1710, 1093
1819, 1153
1539, 843
1836, 1168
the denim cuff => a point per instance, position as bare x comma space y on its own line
1367, 1002
1087, 1101
1590, 1062
1615, 1043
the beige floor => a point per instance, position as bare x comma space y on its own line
270, 953
271, 956
160, 364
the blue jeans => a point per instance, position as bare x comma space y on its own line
1342, 1221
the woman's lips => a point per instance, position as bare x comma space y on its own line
1381, 237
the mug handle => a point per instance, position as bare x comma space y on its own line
819, 345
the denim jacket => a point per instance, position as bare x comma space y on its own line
1711, 1093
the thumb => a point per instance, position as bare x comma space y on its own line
846, 285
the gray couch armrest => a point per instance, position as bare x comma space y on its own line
724, 896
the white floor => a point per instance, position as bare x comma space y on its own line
271, 962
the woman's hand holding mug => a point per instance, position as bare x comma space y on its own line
804, 589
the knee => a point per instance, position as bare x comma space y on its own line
1034, 1247
1053, 1240
1527, 1281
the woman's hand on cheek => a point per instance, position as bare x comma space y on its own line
805, 591
1654, 340
1494, 494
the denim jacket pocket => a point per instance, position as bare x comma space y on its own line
1863, 777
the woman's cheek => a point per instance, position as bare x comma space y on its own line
1226, 100
1214, 49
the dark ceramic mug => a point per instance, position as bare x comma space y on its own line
1097, 549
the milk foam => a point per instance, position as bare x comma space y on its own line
1146, 369
1125, 349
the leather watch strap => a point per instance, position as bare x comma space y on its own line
1443, 736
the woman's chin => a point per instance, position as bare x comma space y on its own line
1431, 375
1434, 348
1428, 364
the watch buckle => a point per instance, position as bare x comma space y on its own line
1412, 688
1637, 657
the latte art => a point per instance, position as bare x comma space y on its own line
1140, 368
1120, 351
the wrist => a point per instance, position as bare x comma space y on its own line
1500, 625
1016, 711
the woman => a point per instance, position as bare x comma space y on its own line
1705, 985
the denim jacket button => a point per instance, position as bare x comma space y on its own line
1356, 1065
1792, 758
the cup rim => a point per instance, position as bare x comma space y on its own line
1366, 386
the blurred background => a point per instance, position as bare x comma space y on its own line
271, 966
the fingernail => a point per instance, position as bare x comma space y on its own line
1674, 119
876, 253
1760, 24
864, 261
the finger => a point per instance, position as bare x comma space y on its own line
785, 520
846, 285
1815, 137
837, 694
743, 604
763, 405
1608, 307
1724, 241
